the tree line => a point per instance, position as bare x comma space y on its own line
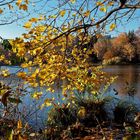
125, 48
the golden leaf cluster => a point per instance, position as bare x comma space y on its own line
21, 5
55, 61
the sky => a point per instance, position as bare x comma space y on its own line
11, 31
129, 26
15, 30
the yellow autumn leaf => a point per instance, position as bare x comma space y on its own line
11, 135
21, 51
74, 14
2, 57
99, 3
21, 74
33, 20
23, 7
51, 90
37, 95
28, 25
41, 17
5, 73
19, 2
72, 1
63, 49
26, 36
34, 84
103, 9
63, 98
62, 13
24, 65
82, 112
41, 28
7, 62
64, 28
87, 13
46, 103
19, 124
112, 26
110, 3
1, 11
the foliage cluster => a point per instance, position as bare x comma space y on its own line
59, 53
123, 48
10, 124
56, 52
68, 66
7, 56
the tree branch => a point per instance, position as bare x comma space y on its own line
132, 6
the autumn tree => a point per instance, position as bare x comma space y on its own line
138, 44
125, 46
134, 41
101, 47
45, 46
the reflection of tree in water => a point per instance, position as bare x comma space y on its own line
128, 79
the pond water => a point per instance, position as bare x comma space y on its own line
128, 76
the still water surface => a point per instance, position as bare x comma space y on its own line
128, 78
129, 74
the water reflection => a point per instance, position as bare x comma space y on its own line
30, 108
128, 75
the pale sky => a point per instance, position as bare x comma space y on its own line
14, 30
